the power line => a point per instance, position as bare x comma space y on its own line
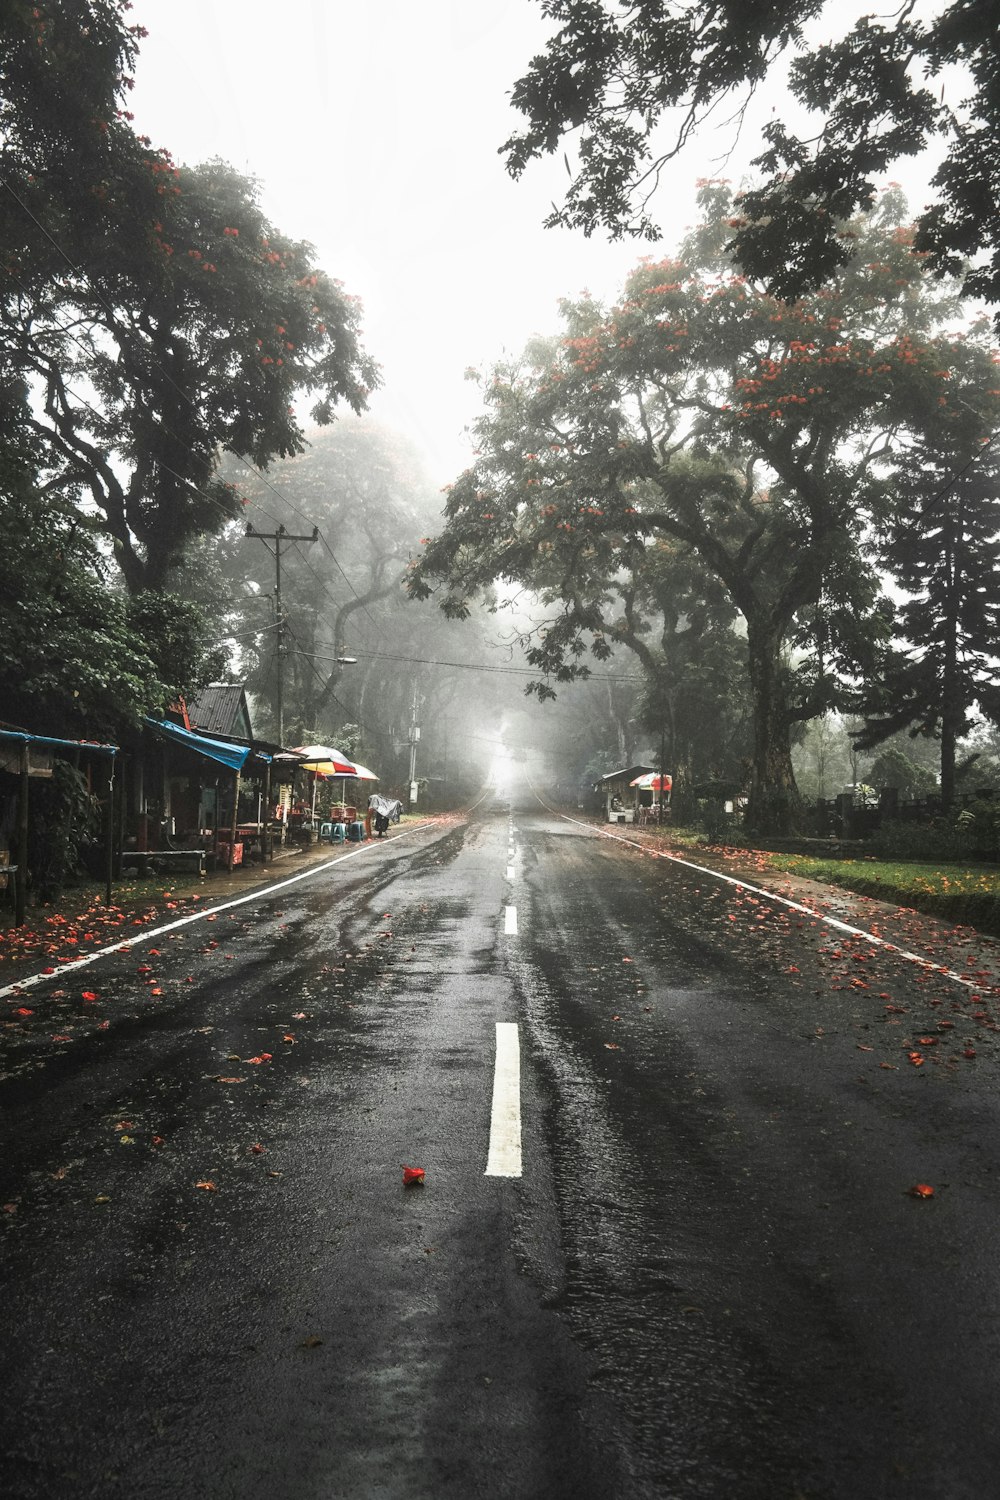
469, 666
315, 670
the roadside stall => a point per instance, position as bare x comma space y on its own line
654, 796
323, 762
618, 797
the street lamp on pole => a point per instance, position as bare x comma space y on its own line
414, 737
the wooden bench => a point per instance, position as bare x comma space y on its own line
154, 860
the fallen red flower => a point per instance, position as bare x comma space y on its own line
412, 1175
921, 1190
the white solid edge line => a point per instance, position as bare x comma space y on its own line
198, 916
510, 921
807, 911
504, 1158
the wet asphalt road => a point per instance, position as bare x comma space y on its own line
711, 1282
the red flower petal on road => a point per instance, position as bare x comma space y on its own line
412, 1175
916, 1059
921, 1190
209, 1187
256, 1061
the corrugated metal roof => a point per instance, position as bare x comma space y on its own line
627, 773
220, 708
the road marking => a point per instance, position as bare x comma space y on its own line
510, 872
504, 1158
196, 916
510, 920
757, 890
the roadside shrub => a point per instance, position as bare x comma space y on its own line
64, 821
934, 840
973, 833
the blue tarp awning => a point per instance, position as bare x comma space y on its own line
24, 738
233, 756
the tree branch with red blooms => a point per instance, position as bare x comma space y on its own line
764, 435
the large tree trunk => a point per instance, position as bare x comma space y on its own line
775, 806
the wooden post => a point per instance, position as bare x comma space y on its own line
21, 878
265, 832
120, 839
110, 830
659, 813
232, 830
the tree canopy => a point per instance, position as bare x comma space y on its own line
943, 553
151, 320
761, 435
631, 81
156, 315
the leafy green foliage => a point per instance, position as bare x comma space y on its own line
81, 658
158, 315
619, 75
758, 434
65, 822
893, 768
944, 552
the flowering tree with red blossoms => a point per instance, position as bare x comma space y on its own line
154, 314
763, 435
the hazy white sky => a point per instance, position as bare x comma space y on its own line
373, 128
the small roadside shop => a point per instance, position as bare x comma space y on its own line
618, 798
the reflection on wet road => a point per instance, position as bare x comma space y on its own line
665, 1243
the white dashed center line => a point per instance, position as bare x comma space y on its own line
504, 1158
510, 872
510, 921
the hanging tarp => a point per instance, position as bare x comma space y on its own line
23, 737
232, 755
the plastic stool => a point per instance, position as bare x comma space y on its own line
355, 832
339, 833
326, 832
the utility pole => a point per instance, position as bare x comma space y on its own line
414, 739
659, 809
278, 537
